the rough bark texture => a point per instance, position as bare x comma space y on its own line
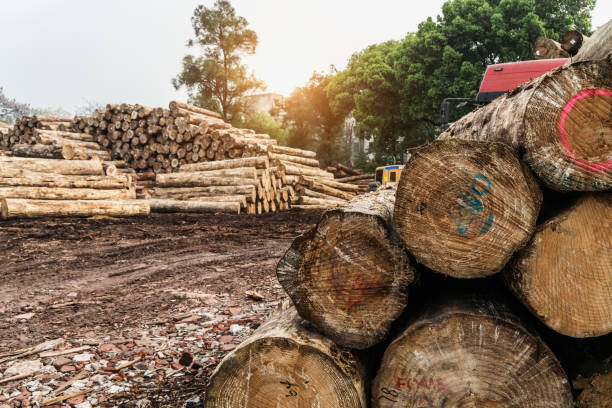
469, 355
21, 208
463, 207
562, 122
67, 167
32, 179
249, 191
259, 161
599, 45
597, 393
349, 275
292, 151
564, 275
285, 364
198, 180
51, 151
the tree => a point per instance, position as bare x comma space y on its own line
10, 109
218, 80
88, 107
312, 122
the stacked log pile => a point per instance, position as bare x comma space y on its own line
34, 187
358, 177
466, 207
4, 132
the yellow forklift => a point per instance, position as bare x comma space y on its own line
388, 174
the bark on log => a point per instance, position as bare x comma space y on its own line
349, 275
66, 167
246, 190
285, 364
323, 188
196, 180
572, 41
174, 206
545, 48
561, 120
32, 179
21, 208
202, 111
348, 170
332, 203
356, 178
598, 392
464, 207
52, 151
599, 45
60, 193
258, 162
334, 184
564, 274
293, 168
469, 355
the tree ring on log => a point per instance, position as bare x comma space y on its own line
568, 129
349, 277
464, 207
564, 274
467, 359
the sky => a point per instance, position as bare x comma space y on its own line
66, 52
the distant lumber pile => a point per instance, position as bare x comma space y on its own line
357, 177
34, 187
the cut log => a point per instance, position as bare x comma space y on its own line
258, 161
349, 275
309, 207
292, 151
356, 178
294, 159
599, 45
174, 105
67, 167
561, 120
464, 207
285, 364
246, 190
469, 355
59, 193
335, 184
572, 41
331, 203
52, 151
20, 208
84, 137
174, 206
545, 48
242, 172
33, 179
197, 180
293, 168
323, 188
564, 274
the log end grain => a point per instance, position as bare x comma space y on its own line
464, 207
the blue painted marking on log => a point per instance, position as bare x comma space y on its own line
471, 207
481, 177
487, 224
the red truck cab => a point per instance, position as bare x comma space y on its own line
501, 78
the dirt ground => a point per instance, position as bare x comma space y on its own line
150, 282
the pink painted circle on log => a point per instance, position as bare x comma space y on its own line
594, 167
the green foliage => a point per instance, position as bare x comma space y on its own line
218, 80
262, 122
394, 89
313, 124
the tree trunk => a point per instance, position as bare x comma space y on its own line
249, 191
60, 193
560, 119
20, 208
197, 180
599, 45
284, 364
572, 41
545, 48
259, 162
349, 275
464, 207
52, 151
66, 167
564, 274
32, 179
331, 203
173, 206
469, 355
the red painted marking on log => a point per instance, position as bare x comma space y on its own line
594, 167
